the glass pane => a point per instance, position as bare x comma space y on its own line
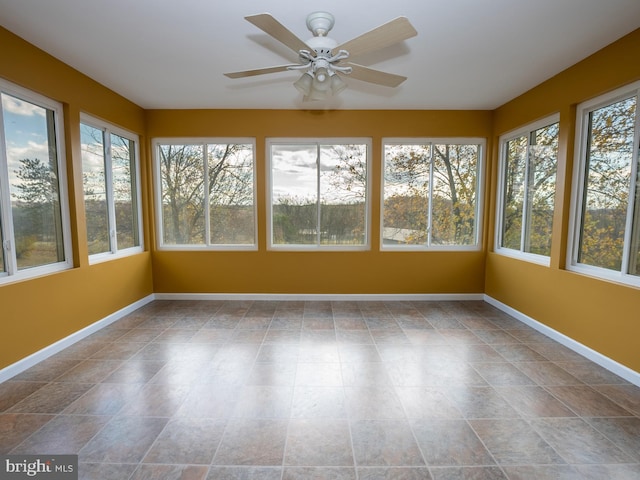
634, 256
343, 189
33, 182
454, 189
608, 173
294, 194
182, 190
514, 175
543, 159
3, 268
231, 194
406, 202
95, 189
123, 164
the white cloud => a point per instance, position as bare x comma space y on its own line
15, 153
31, 150
20, 107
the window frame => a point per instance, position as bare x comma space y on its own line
482, 144
583, 111
108, 129
12, 273
319, 141
525, 130
157, 183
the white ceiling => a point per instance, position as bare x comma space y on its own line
469, 54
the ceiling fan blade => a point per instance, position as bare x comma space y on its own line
260, 71
268, 24
383, 36
378, 77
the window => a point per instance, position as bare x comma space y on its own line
34, 219
606, 213
111, 188
430, 193
528, 164
318, 193
206, 193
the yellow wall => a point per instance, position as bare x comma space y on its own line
601, 315
265, 271
38, 312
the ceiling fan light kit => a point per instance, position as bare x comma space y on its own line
322, 60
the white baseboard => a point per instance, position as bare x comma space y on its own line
596, 357
322, 296
28, 362
605, 362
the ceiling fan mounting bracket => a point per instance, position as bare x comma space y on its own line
320, 23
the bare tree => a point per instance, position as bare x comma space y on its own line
430, 192
189, 180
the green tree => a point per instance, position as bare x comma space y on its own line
36, 213
124, 191
406, 201
38, 182
430, 192
529, 190
455, 173
295, 221
607, 184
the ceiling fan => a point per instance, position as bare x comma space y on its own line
322, 60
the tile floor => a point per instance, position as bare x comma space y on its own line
314, 390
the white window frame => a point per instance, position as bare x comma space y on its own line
482, 142
203, 141
108, 129
577, 194
12, 273
525, 130
269, 192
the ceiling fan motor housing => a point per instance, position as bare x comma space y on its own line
323, 46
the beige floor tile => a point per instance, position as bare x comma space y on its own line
340, 390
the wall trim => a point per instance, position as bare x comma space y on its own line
602, 360
28, 362
596, 357
366, 297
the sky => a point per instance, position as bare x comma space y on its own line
92, 161
294, 172
25, 132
